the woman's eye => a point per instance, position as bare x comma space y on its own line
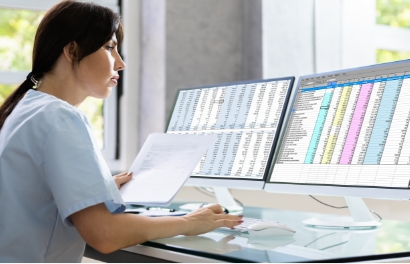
110, 48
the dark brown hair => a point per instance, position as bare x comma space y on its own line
88, 24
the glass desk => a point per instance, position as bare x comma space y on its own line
388, 242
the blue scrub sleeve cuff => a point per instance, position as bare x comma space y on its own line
106, 198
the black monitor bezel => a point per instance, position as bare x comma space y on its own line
273, 148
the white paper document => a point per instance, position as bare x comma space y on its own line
162, 166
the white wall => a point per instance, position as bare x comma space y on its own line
302, 37
130, 100
288, 40
151, 114
358, 39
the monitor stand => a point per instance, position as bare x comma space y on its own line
362, 217
224, 198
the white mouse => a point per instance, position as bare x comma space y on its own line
270, 229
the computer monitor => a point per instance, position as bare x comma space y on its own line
245, 117
347, 135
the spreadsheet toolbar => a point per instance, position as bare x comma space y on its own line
349, 128
244, 118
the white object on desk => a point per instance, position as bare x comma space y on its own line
162, 166
191, 206
362, 217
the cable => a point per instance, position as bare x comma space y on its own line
336, 207
342, 207
209, 192
238, 202
380, 218
319, 238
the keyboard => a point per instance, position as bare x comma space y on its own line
244, 226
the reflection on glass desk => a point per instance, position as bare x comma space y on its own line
391, 240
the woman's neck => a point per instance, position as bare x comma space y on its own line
61, 84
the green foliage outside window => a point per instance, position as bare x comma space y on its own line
391, 55
17, 32
5, 90
395, 13
394, 237
93, 109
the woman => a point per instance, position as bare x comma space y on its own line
56, 191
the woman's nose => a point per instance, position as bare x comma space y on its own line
119, 64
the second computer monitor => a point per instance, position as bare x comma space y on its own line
245, 117
348, 134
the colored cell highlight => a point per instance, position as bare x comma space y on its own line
337, 122
317, 132
383, 121
356, 124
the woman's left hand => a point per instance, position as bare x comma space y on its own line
122, 178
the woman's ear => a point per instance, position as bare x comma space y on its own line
71, 51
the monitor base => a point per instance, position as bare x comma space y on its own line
340, 224
362, 217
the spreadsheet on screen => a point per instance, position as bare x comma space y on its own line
349, 128
244, 117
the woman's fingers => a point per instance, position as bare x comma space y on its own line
228, 223
122, 178
210, 218
125, 178
121, 174
216, 208
228, 217
224, 219
218, 213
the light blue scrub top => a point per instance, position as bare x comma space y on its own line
50, 168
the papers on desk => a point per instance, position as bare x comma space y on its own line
162, 166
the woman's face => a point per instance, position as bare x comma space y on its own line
98, 72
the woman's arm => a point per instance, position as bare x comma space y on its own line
106, 232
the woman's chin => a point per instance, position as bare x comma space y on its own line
107, 93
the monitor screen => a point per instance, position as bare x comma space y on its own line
244, 117
348, 128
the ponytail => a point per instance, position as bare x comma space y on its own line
13, 99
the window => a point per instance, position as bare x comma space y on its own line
6, 90
393, 22
17, 30
18, 25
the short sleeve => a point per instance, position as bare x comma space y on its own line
75, 169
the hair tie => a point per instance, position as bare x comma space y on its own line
36, 83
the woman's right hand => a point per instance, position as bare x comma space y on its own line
209, 218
